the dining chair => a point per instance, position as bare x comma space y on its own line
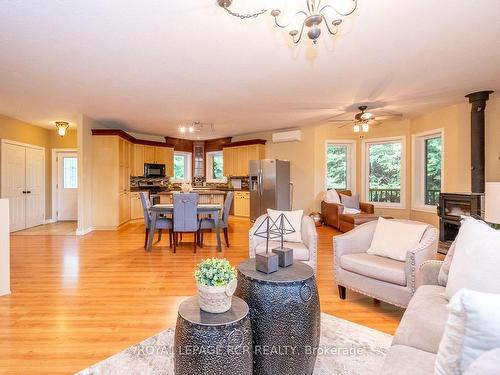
186, 216
161, 222
209, 223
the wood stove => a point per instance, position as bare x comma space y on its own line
452, 207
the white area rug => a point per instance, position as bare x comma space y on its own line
345, 348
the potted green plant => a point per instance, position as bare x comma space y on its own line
216, 281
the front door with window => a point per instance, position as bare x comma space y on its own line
67, 186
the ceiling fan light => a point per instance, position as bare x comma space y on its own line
182, 129
191, 129
366, 127
356, 128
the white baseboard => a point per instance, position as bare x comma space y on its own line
83, 232
50, 221
4, 292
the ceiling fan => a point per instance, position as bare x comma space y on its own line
364, 119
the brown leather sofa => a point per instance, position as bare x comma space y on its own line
331, 212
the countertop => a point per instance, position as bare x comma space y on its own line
200, 191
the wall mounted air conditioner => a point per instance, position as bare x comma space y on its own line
289, 136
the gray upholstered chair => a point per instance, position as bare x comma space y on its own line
305, 251
186, 216
209, 223
382, 278
161, 222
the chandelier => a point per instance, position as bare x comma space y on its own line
317, 12
62, 126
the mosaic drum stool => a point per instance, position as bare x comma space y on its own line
285, 315
213, 344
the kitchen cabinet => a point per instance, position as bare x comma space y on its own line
136, 210
153, 155
138, 169
149, 154
237, 158
242, 203
111, 164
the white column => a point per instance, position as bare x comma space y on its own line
4, 248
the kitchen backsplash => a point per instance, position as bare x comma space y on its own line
163, 181
236, 183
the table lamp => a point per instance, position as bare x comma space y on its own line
492, 203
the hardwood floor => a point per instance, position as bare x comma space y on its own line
61, 228
77, 300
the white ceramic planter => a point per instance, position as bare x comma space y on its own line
216, 299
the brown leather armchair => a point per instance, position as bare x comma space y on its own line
331, 212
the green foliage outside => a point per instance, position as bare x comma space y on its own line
336, 167
385, 166
217, 167
179, 172
215, 272
432, 170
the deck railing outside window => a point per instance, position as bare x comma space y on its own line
385, 195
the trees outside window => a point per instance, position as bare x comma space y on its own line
384, 164
215, 167
182, 167
432, 170
340, 163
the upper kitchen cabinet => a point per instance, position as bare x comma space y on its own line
154, 155
149, 154
237, 156
138, 168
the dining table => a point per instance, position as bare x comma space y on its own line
212, 209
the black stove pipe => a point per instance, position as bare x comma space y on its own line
477, 136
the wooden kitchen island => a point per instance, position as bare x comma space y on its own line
240, 206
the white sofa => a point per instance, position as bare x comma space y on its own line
305, 251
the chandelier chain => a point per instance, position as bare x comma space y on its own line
245, 16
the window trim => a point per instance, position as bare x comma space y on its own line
209, 167
418, 172
351, 162
366, 165
187, 164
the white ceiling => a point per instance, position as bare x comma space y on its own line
148, 66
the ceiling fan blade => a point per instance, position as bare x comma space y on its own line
345, 120
389, 117
375, 122
342, 126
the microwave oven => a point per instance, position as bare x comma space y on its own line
154, 170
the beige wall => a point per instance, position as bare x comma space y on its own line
307, 157
16, 130
84, 140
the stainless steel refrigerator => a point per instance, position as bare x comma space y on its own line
270, 186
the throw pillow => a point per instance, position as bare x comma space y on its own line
393, 239
445, 268
476, 260
295, 220
471, 330
350, 201
332, 196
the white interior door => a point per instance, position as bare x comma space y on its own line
35, 180
67, 186
14, 182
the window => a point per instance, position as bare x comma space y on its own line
70, 177
182, 167
215, 167
384, 172
427, 170
340, 165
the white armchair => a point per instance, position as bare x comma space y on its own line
382, 278
305, 251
